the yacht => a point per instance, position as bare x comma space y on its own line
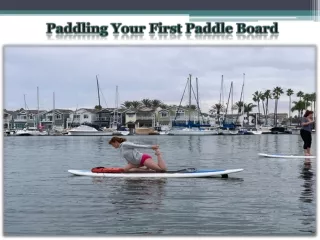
85, 130
30, 131
192, 132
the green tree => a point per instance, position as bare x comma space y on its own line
97, 107
267, 95
257, 98
146, 102
277, 91
289, 94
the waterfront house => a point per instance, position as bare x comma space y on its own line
180, 115
145, 117
8, 119
103, 118
60, 119
130, 118
81, 116
28, 118
117, 117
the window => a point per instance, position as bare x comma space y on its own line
58, 116
180, 113
130, 114
85, 116
77, 116
30, 117
164, 114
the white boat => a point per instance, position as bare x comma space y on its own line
254, 131
122, 131
228, 132
31, 131
265, 129
192, 131
84, 130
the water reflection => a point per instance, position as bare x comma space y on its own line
142, 193
306, 197
307, 175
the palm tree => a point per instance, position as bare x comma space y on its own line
155, 103
313, 100
263, 98
192, 106
239, 106
256, 98
267, 95
146, 102
299, 106
164, 106
248, 108
289, 93
307, 98
126, 104
300, 95
136, 104
277, 91
98, 107
216, 108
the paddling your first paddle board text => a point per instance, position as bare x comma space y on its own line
160, 28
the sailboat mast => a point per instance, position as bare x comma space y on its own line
243, 97
115, 112
98, 90
53, 112
198, 101
25, 106
38, 107
189, 98
232, 99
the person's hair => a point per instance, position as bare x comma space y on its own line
307, 113
117, 139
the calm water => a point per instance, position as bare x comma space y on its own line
270, 197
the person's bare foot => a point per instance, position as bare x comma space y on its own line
157, 152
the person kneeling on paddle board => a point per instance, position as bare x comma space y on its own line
135, 158
305, 132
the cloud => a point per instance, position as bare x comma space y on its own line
155, 72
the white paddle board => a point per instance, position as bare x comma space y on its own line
194, 174
283, 156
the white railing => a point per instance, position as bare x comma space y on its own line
102, 118
144, 117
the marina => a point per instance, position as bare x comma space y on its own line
159, 141
273, 196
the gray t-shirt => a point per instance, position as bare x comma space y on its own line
130, 154
307, 127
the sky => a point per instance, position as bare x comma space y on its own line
154, 72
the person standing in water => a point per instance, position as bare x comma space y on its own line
306, 130
135, 158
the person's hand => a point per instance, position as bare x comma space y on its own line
155, 147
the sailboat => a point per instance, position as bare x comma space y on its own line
228, 128
32, 131
90, 129
191, 128
121, 131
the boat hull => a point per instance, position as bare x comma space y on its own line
84, 133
